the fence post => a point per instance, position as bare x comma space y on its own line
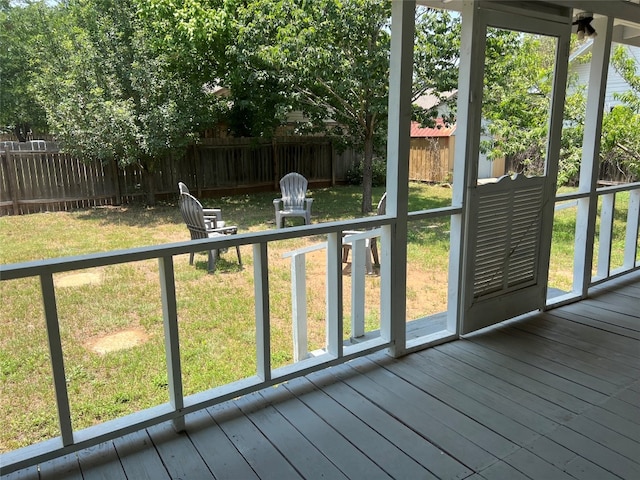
13, 181
116, 181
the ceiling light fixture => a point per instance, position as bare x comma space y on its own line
583, 21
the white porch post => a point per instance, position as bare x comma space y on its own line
589, 167
393, 281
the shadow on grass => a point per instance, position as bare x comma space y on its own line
255, 211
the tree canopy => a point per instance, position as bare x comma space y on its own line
135, 80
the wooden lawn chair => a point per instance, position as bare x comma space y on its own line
294, 201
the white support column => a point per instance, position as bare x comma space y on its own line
263, 318
590, 164
605, 237
299, 306
467, 147
57, 358
334, 295
631, 236
393, 281
171, 337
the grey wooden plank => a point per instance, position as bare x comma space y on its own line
66, 467
624, 351
604, 315
619, 304
585, 319
534, 466
412, 443
483, 359
502, 471
600, 368
528, 366
531, 410
584, 469
624, 409
215, 448
29, 473
265, 460
389, 461
178, 453
568, 461
461, 423
301, 453
348, 442
415, 416
607, 437
468, 398
555, 364
614, 422
138, 457
604, 457
629, 396
618, 373
101, 463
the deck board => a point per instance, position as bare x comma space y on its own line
551, 395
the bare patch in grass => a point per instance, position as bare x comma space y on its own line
117, 341
79, 279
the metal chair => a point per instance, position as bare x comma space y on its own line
193, 216
294, 201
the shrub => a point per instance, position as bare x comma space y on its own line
379, 170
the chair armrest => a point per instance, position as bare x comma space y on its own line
213, 212
277, 202
307, 203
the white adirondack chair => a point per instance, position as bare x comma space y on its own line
294, 201
371, 243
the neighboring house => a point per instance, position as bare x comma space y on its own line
579, 64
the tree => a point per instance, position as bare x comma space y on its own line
20, 111
620, 146
109, 94
327, 58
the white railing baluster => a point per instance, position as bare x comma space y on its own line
263, 317
334, 295
605, 238
358, 274
631, 236
57, 358
299, 306
171, 337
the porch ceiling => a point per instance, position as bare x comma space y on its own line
625, 12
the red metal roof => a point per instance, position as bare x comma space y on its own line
440, 130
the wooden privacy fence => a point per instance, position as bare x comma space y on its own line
34, 181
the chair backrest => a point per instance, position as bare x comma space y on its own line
193, 216
183, 188
382, 204
293, 187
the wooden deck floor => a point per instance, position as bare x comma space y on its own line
550, 396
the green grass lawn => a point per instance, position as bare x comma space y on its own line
216, 312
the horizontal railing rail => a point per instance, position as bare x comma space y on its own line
178, 404
604, 228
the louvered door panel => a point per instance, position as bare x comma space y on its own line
505, 236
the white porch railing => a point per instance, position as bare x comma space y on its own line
606, 199
178, 405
